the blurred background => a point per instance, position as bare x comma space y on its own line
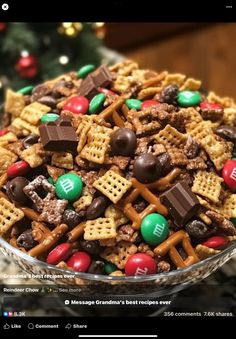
32, 52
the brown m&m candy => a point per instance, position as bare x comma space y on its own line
14, 190
147, 168
123, 142
30, 140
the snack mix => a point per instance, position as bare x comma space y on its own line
118, 170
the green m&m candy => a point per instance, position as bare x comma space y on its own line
233, 221
25, 90
69, 186
49, 117
109, 268
85, 70
188, 98
154, 229
96, 103
133, 103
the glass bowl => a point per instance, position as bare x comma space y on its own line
156, 285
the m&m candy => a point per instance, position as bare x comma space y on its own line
59, 253
140, 264
229, 174
154, 229
77, 105
17, 169
79, 261
69, 186
188, 98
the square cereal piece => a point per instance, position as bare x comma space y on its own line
229, 117
6, 159
14, 103
112, 185
31, 156
119, 254
174, 79
84, 201
34, 112
9, 215
7, 138
204, 252
113, 212
229, 207
25, 126
191, 85
85, 122
169, 136
97, 144
101, 228
63, 160
207, 184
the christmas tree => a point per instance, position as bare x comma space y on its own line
33, 52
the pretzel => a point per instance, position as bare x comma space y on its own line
111, 112
208, 185
32, 156
204, 252
144, 122
154, 80
49, 241
33, 113
63, 160
112, 185
169, 136
9, 215
165, 182
169, 246
120, 253
101, 228
30, 191
14, 103
140, 190
76, 232
39, 231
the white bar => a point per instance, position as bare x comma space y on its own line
118, 335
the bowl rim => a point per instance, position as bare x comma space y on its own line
129, 279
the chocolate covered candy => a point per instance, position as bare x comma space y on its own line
147, 168
226, 132
26, 240
14, 190
181, 203
123, 142
97, 208
30, 140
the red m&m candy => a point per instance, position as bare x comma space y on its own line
79, 261
59, 253
216, 242
229, 174
3, 131
19, 168
140, 264
77, 105
148, 103
209, 105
